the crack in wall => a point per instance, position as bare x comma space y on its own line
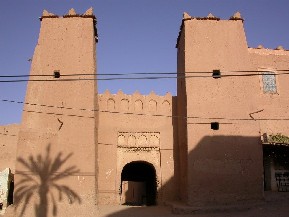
61, 124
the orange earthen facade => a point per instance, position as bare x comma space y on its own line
226, 165
96, 145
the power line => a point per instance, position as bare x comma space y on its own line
137, 114
86, 79
135, 78
58, 114
83, 174
7, 134
45, 105
79, 109
134, 73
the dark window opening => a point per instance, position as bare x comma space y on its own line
10, 193
276, 167
216, 74
215, 126
56, 74
138, 184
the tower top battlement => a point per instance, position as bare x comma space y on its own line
72, 13
186, 17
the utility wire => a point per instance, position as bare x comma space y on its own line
79, 109
139, 78
87, 173
137, 114
7, 134
58, 114
84, 79
136, 73
48, 106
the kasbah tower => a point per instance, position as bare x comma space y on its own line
206, 147
65, 46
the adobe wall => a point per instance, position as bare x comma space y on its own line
273, 106
58, 126
135, 128
182, 175
220, 161
8, 146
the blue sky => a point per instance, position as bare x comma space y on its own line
134, 36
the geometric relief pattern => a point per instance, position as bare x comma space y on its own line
131, 141
138, 139
142, 141
138, 106
110, 105
124, 105
152, 106
154, 140
121, 140
166, 105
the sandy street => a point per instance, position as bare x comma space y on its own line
275, 205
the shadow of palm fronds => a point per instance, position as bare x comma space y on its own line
41, 177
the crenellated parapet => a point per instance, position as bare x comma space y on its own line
260, 49
186, 17
71, 14
236, 16
136, 103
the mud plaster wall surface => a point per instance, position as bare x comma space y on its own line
128, 122
237, 143
181, 121
8, 146
274, 105
66, 45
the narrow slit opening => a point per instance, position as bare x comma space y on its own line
215, 125
216, 74
56, 74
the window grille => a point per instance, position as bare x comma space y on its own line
269, 82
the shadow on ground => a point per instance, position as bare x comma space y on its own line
223, 170
276, 204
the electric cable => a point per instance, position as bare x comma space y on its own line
137, 114
135, 73
135, 78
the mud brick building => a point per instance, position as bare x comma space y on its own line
209, 145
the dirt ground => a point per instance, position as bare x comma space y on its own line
276, 204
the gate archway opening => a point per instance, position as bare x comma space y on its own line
138, 184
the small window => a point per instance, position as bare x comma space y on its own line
269, 82
216, 74
215, 125
56, 74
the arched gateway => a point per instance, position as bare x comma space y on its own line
138, 184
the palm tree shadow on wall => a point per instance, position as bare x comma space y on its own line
43, 173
